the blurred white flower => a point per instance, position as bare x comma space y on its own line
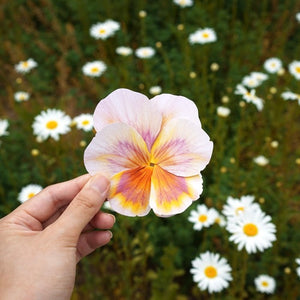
252, 230
219, 218
94, 69
235, 207
249, 97
298, 17
288, 95
203, 36
273, 65
261, 77
104, 30
294, 69
183, 3
261, 160
274, 144
124, 51
144, 52
265, 284
155, 90
51, 123
298, 268
251, 81
28, 192
21, 96
223, 111
25, 66
3, 127
84, 122
211, 272
202, 217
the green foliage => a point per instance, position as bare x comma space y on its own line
150, 257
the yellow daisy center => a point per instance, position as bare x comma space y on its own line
30, 195
298, 69
102, 31
239, 210
265, 284
250, 229
210, 272
85, 122
94, 70
52, 124
205, 35
25, 64
202, 218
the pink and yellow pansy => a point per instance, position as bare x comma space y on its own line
153, 151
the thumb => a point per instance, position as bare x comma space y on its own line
83, 207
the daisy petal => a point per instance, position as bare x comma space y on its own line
132, 108
115, 148
175, 107
172, 194
130, 191
182, 148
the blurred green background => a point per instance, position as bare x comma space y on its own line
150, 257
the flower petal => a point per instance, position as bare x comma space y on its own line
182, 148
132, 108
171, 194
115, 148
173, 107
130, 191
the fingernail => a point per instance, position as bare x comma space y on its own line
114, 218
100, 183
109, 233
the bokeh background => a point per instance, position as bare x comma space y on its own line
150, 257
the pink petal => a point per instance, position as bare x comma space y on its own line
115, 148
172, 106
132, 108
182, 148
171, 194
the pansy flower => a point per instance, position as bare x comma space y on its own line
152, 150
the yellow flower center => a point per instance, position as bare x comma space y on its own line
94, 70
30, 195
51, 124
210, 272
102, 31
202, 218
298, 69
205, 35
25, 64
85, 122
250, 229
264, 283
239, 210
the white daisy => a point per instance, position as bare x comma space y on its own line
219, 218
94, 69
21, 96
298, 269
28, 192
288, 95
155, 90
273, 65
144, 52
183, 3
25, 66
252, 230
249, 97
211, 272
202, 217
259, 76
261, 160
104, 30
298, 17
203, 36
265, 284
51, 123
124, 51
251, 81
84, 121
234, 207
223, 111
3, 127
294, 68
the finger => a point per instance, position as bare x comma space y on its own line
90, 241
103, 220
45, 204
83, 208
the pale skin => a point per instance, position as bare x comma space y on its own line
44, 238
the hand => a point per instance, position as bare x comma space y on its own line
44, 238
